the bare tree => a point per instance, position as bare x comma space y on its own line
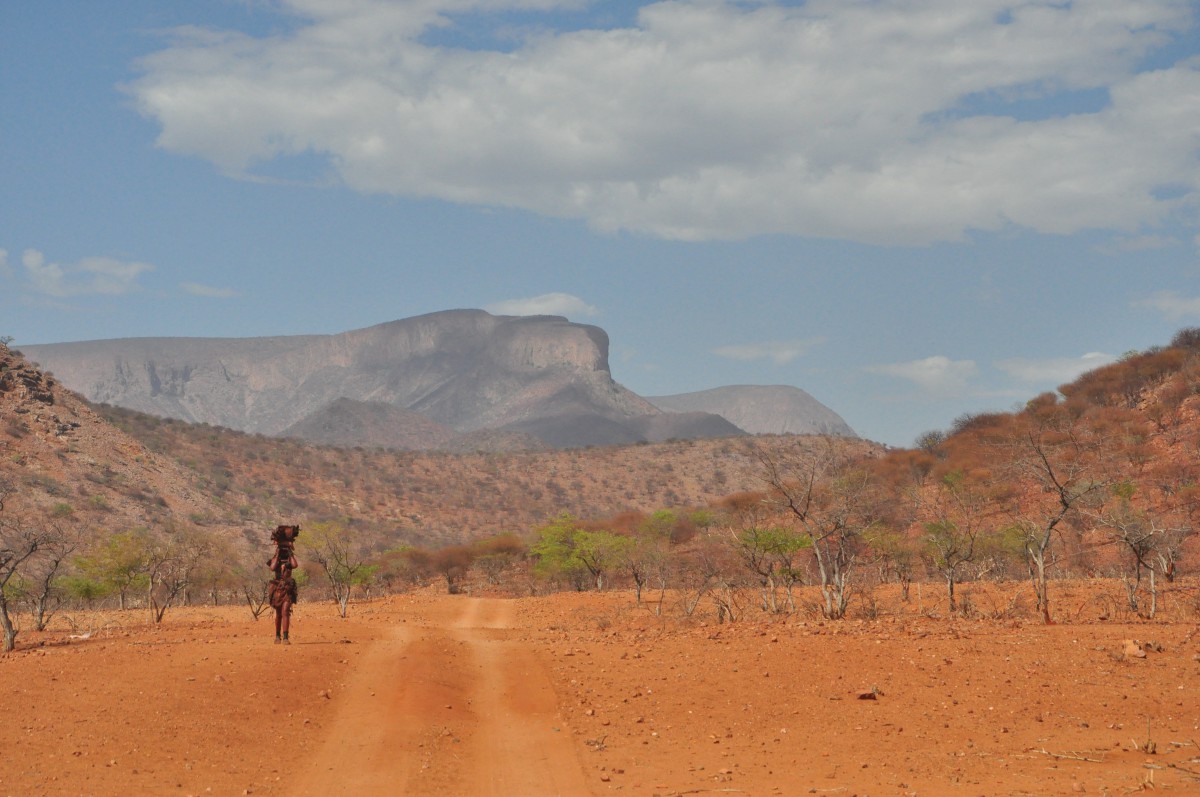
339, 553
957, 512
1057, 456
701, 566
649, 557
453, 563
1151, 537
21, 540
833, 501
173, 560
44, 590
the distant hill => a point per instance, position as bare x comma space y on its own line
761, 409
106, 469
346, 422
443, 381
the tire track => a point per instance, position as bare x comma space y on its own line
460, 706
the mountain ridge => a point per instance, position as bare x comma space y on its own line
444, 374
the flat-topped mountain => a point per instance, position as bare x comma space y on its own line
413, 383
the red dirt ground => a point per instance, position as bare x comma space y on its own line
586, 694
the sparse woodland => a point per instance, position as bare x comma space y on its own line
1099, 480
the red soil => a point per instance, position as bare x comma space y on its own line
586, 694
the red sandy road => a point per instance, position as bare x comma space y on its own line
204, 704
457, 706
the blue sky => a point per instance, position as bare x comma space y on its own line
912, 209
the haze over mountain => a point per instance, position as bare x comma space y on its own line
421, 382
761, 409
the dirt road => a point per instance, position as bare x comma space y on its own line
452, 704
585, 694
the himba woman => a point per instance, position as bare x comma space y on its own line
282, 591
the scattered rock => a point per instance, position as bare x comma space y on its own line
1137, 649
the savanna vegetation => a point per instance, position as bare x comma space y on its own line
1100, 479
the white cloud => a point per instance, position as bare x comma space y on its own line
875, 121
779, 352
1172, 306
209, 292
563, 304
91, 275
1054, 371
937, 375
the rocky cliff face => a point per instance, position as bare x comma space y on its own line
423, 382
464, 370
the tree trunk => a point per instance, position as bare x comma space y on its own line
1042, 588
1153, 595
10, 631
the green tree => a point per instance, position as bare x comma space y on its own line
769, 553
118, 564
553, 551
600, 552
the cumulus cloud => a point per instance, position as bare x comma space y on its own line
91, 275
1173, 306
1055, 371
209, 292
937, 375
779, 352
563, 304
889, 122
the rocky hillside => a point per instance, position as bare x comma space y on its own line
418, 383
428, 498
61, 462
